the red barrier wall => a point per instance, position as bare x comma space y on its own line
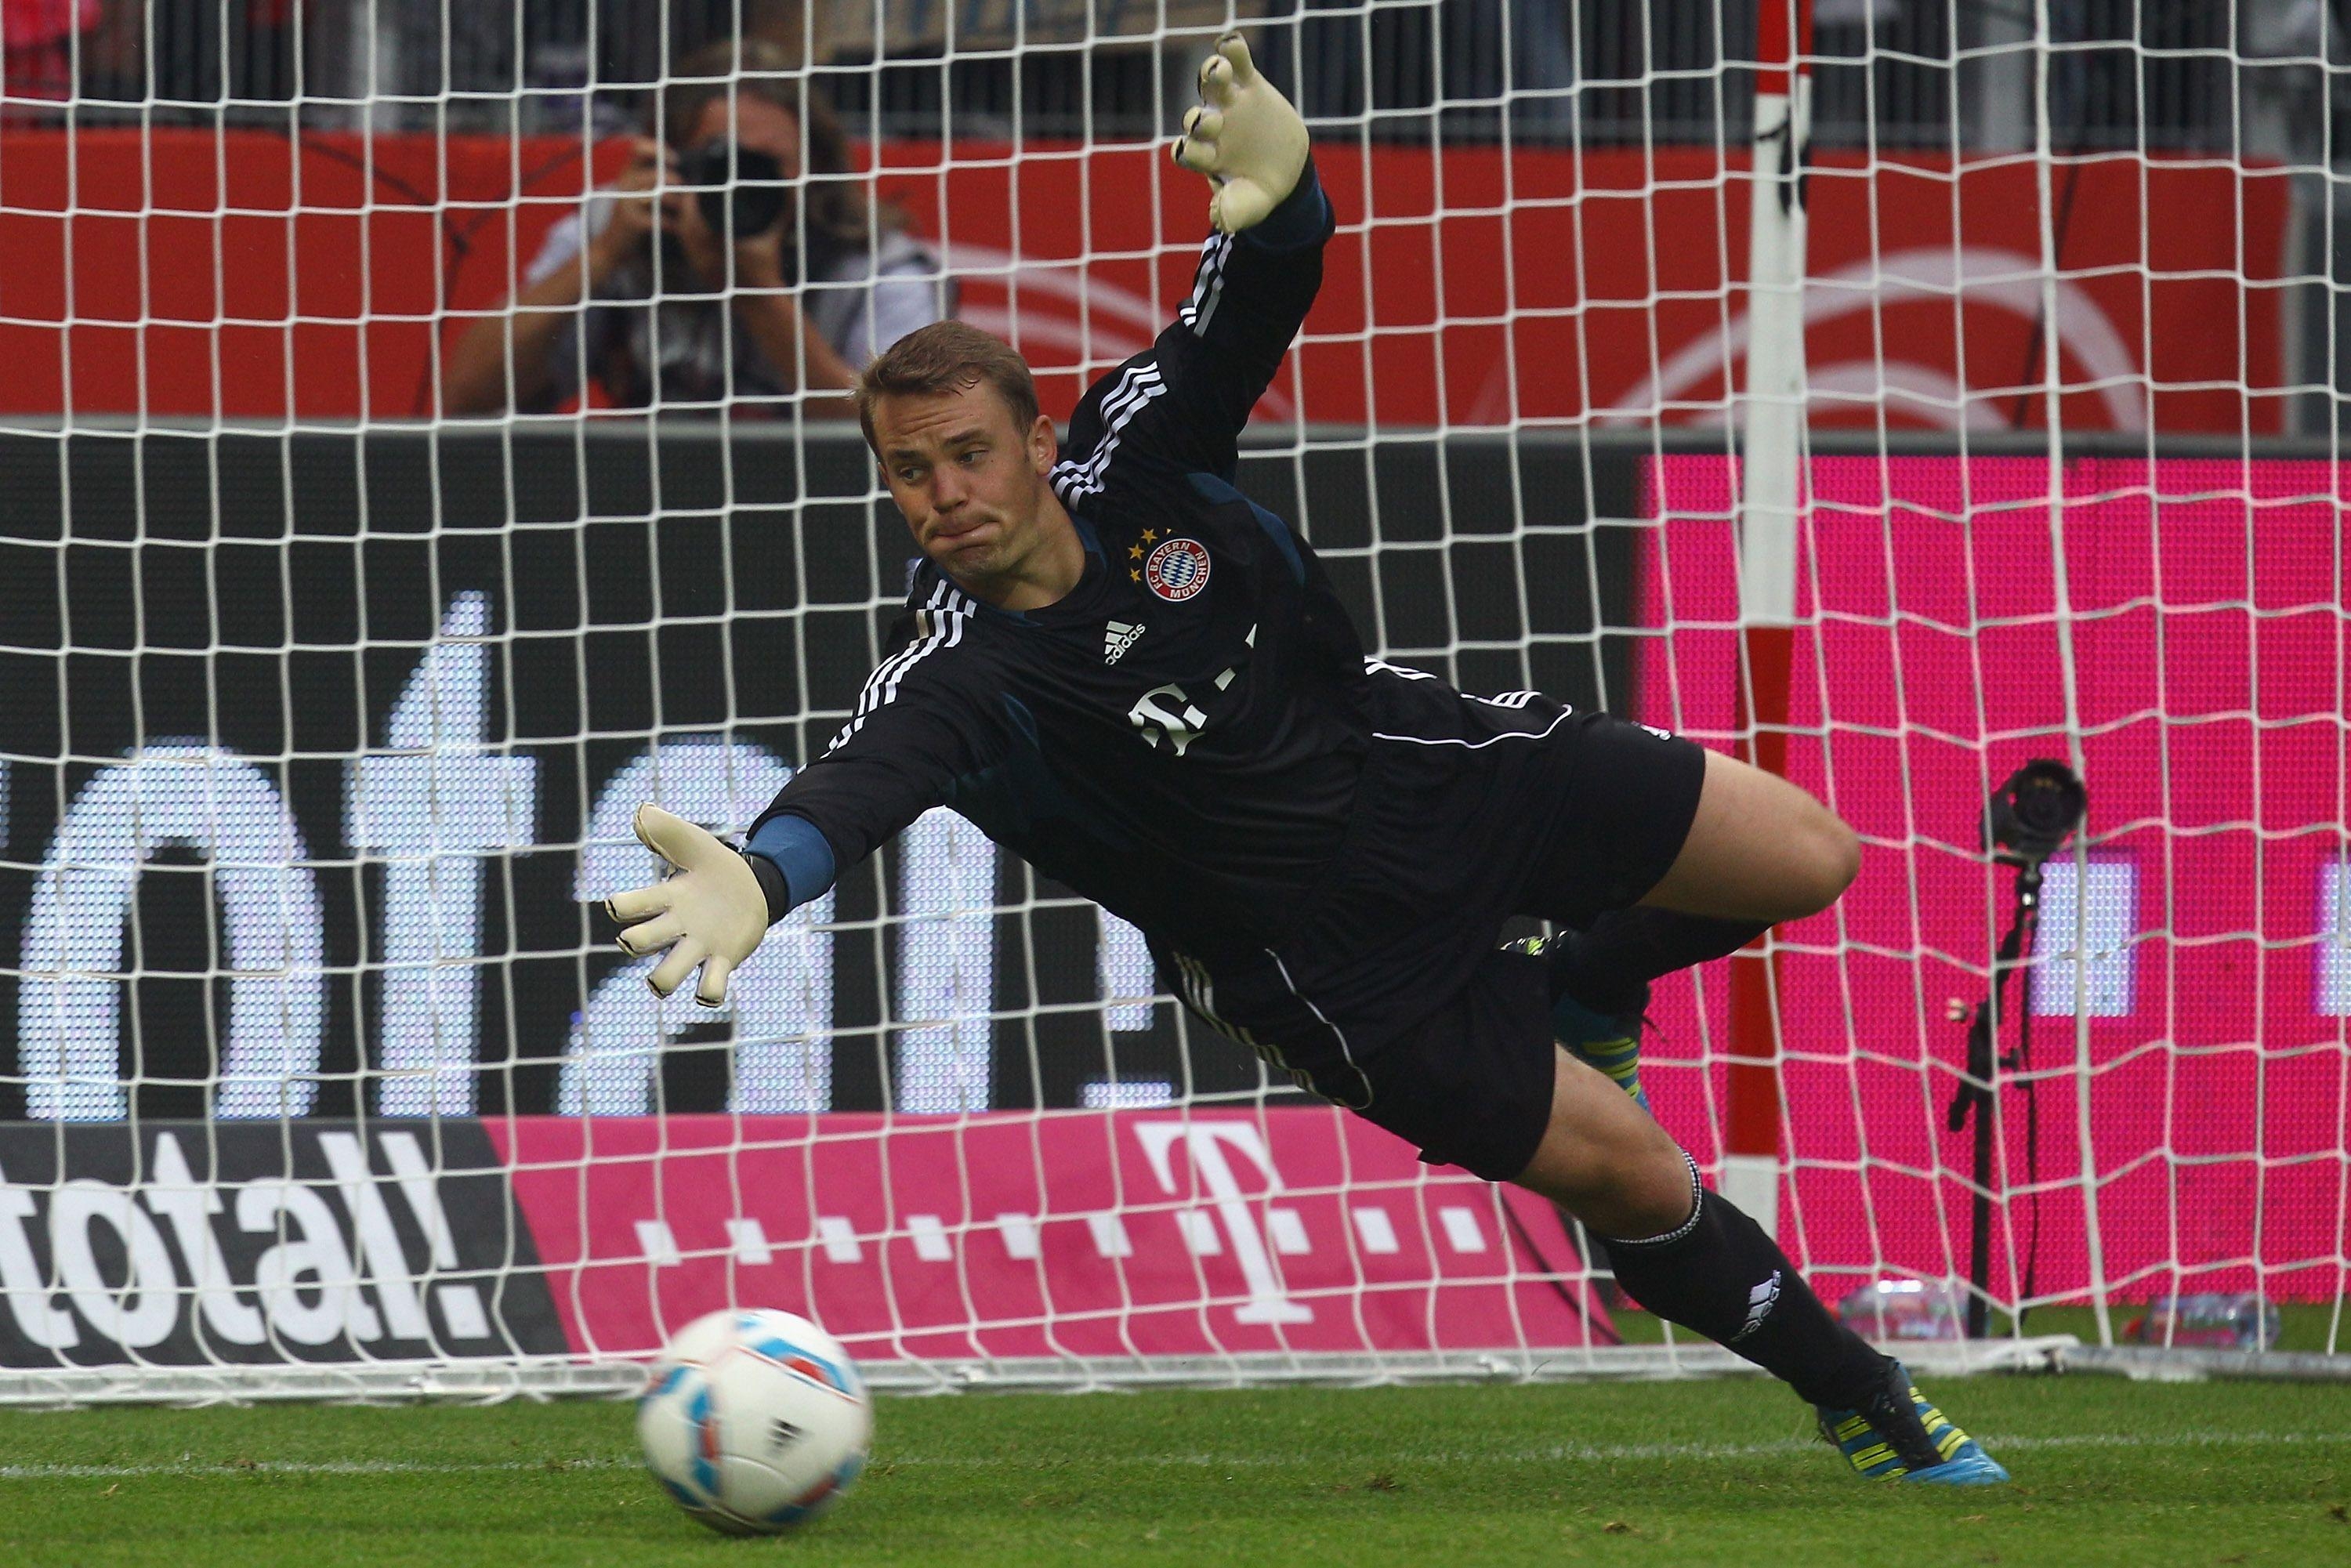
243, 276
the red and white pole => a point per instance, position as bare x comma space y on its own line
1770, 496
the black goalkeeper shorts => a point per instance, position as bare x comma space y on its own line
1388, 993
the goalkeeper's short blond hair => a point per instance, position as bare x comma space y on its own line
948, 356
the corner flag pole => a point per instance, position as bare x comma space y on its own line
1771, 482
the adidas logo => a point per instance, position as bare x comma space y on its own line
1759, 1302
1118, 638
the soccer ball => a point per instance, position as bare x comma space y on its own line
755, 1421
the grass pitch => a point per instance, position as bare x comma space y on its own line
2106, 1471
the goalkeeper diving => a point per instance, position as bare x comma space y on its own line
1132, 676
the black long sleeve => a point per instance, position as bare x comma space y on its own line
1179, 407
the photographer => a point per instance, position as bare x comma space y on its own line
674, 312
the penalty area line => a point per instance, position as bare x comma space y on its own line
1555, 1454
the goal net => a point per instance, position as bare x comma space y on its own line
1893, 395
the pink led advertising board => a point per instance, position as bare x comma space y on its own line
2204, 662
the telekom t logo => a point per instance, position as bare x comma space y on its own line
1208, 1146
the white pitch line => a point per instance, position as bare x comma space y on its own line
1607, 1452
1559, 1453
301, 1468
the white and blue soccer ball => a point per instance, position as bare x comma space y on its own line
755, 1421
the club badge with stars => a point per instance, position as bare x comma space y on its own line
1177, 569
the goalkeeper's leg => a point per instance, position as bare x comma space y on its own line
1684, 1253
1760, 851
1692, 1258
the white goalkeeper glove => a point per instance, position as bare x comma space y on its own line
711, 911
1243, 136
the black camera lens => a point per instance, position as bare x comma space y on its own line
2034, 810
740, 190
2048, 804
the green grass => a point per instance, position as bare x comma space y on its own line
2301, 1325
2108, 1472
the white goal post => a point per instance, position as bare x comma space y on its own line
1896, 395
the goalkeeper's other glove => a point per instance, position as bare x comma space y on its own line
711, 911
1243, 136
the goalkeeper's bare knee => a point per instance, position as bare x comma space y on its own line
1759, 849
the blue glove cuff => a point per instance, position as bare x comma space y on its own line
795, 847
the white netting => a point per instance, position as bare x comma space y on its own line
349, 604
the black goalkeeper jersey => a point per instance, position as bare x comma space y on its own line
1185, 738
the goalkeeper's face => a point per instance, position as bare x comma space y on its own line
975, 492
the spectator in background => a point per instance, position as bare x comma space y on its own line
673, 313
37, 39
199, 62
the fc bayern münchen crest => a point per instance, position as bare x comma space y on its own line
1177, 569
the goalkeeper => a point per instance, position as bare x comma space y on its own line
1131, 674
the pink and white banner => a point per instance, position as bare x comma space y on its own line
1023, 1234
2207, 625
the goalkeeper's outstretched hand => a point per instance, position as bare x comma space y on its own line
711, 911
1243, 136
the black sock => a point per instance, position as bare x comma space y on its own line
1608, 965
1719, 1273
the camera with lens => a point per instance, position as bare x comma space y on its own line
2034, 812
741, 191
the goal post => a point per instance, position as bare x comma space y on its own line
1770, 496
1896, 401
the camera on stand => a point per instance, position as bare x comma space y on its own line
2027, 819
